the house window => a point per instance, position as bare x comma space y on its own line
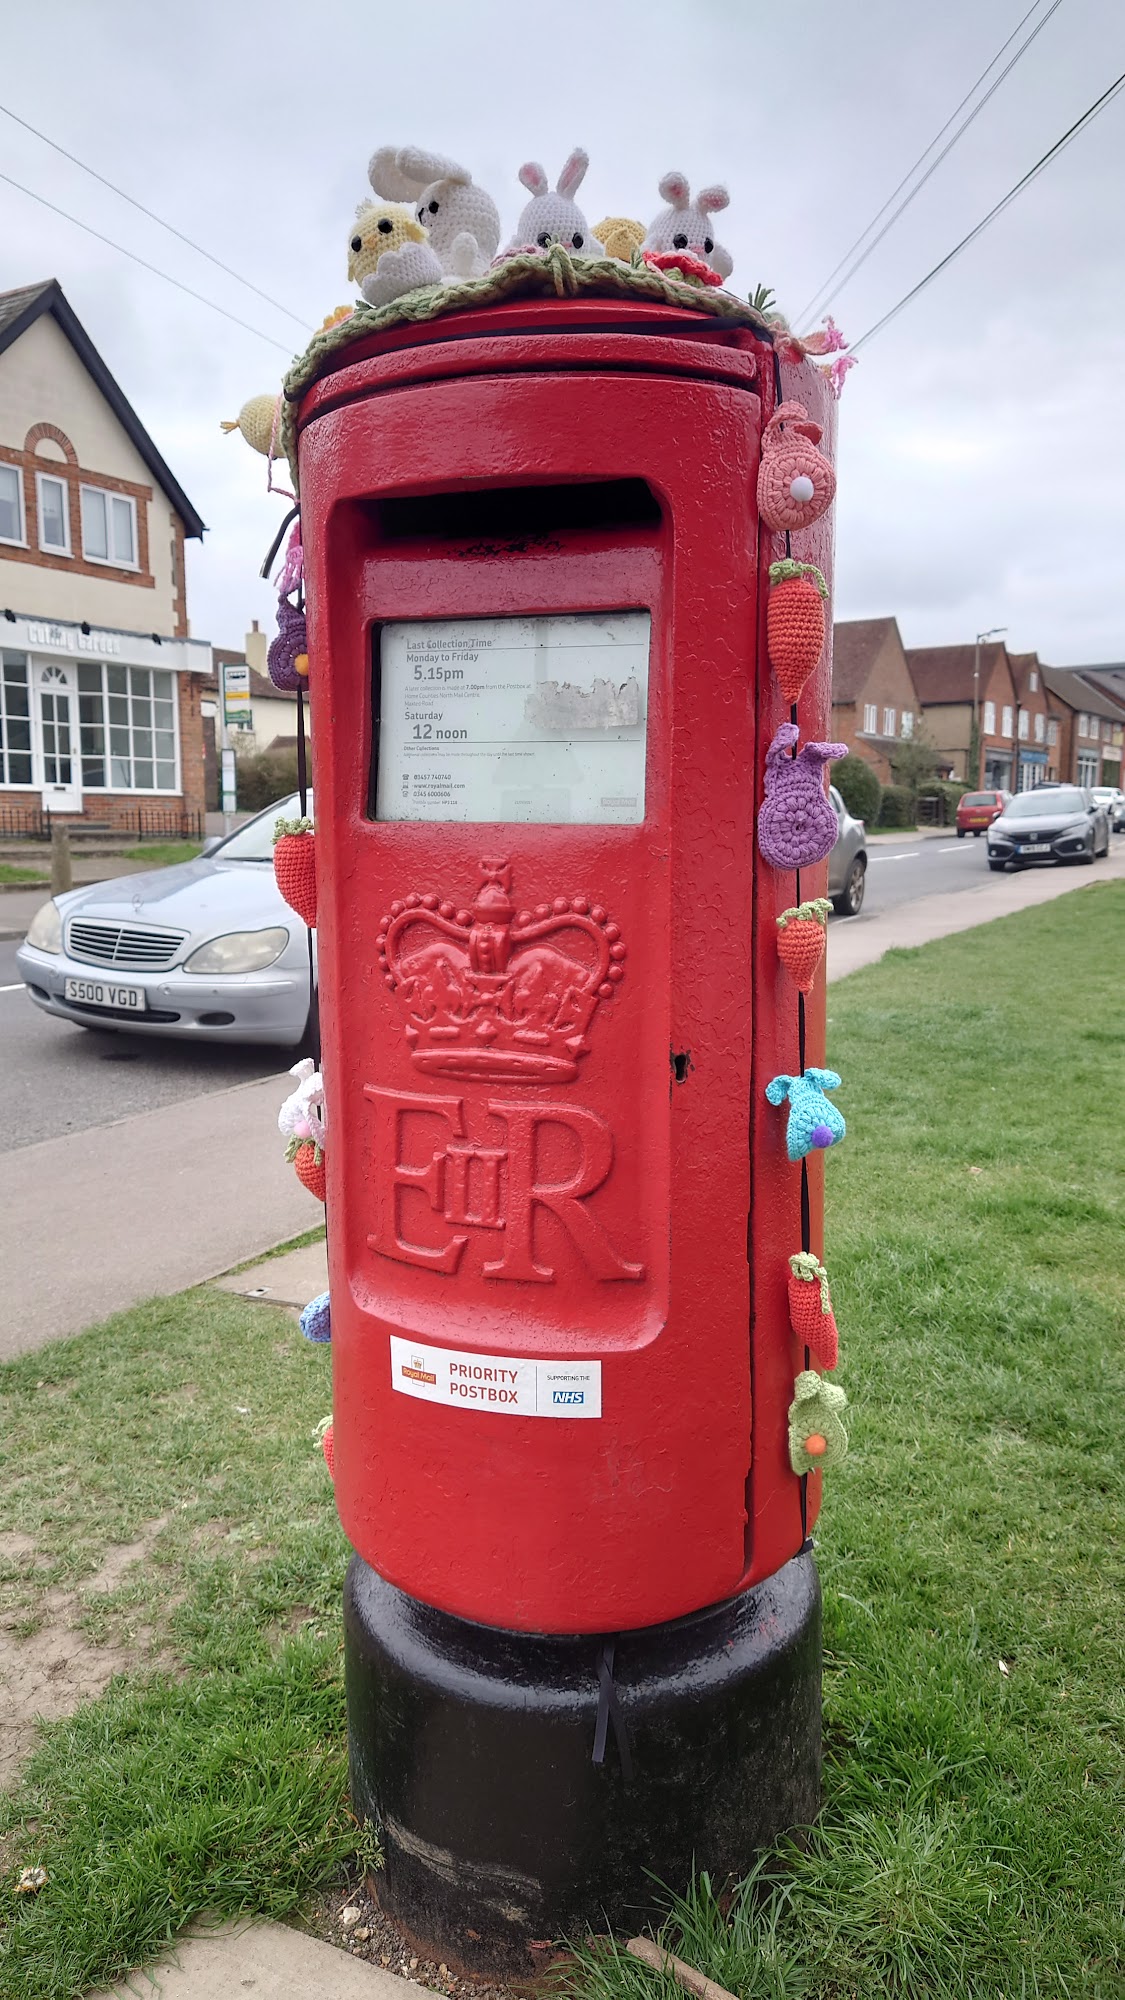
888, 722
907, 723
1052, 734
1033, 681
109, 528
1087, 767
1024, 725
127, 728
1081, 725
1006, 723
870, 717
990, 718
54, 514
15, 720
11, 504
1092, 728
1040, 728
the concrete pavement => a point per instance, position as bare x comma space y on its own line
856, 941
102, 1219
289, 1280
267, 1961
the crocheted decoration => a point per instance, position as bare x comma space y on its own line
691, 269
379, 226
328, 1447
619, 236
796, 823
796, 483
461, 221
294, 866
301, 1121
802, 933
795, 623
686, 224
308, 1161
554, 216
810, 1308
288, 655
401, 271
817, 1438
550, 273
814, 1122
258, 420
316, 1320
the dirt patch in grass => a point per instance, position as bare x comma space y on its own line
351, 1919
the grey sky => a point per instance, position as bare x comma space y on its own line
981, 473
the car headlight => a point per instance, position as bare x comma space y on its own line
239, 951
45, 930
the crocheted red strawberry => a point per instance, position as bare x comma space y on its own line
810, 1309
308, 1159
795, 623
294, 866
328, 1447
801, 937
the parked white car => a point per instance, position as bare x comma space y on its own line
208, 949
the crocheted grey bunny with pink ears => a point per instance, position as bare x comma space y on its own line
553, 216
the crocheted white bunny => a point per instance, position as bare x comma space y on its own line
686, 224
462, 221
302, 1114
555, 217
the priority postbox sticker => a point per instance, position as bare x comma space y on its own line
508, 1385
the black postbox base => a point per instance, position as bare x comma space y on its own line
530, 1788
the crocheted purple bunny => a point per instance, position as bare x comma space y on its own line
796, 823
290, 645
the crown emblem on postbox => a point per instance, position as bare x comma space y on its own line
497, 992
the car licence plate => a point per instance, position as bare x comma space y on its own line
1036, 847
101, 993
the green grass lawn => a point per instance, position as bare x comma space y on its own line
163, 853
11, 873
970, 1547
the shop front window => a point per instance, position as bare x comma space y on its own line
15, 719
127, 728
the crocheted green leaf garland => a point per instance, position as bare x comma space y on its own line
554, 272
817, 1438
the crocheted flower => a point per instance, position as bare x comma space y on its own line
681, 264
817, 1438
316, 1320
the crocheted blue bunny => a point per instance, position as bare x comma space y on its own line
813, 1121
316, 1320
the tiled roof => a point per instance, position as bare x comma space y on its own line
1078, 688
945, 673
855, 647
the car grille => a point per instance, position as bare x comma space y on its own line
97, 942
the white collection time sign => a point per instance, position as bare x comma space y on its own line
515, 719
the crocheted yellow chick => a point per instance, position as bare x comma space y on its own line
379, 226
621, 236
256, 422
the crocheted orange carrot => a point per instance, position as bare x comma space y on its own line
294, 866
801, 937
328, 1447
795, 623
810, 1308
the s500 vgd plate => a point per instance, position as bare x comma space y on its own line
105, 993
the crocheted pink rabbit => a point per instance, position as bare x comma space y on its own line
796, 823
796, 483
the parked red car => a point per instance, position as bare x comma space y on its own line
977, 810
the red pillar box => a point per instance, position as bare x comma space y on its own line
583, 1622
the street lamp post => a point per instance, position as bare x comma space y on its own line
980, 638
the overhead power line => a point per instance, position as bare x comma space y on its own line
143, 262
818, 300
151, 214
1087, 118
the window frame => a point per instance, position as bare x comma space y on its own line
870, 718
105, 724
1052, 733
990, 718
889, 717
9, 783
1023, 727
1006, 723
20, 541
52, 548
1033, 681
1040, 728
906, 725
107, 495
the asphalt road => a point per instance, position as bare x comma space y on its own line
59, 1078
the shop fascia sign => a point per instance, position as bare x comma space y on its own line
43, 635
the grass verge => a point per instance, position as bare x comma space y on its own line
970, 1548
10, 875
164, 853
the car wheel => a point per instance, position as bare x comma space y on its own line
998, 867
309, 1043
977, 831
961, 833
849, 902
1087, 860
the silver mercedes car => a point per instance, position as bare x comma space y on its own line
207, 949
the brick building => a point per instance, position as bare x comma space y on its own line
950, 680
1092, 723
100, 682
874, 702
1037, 724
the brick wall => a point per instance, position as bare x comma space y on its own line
73, 477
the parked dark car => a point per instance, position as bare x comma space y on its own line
1055, 823
977, 810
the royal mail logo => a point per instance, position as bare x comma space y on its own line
497, 992
416, 1370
